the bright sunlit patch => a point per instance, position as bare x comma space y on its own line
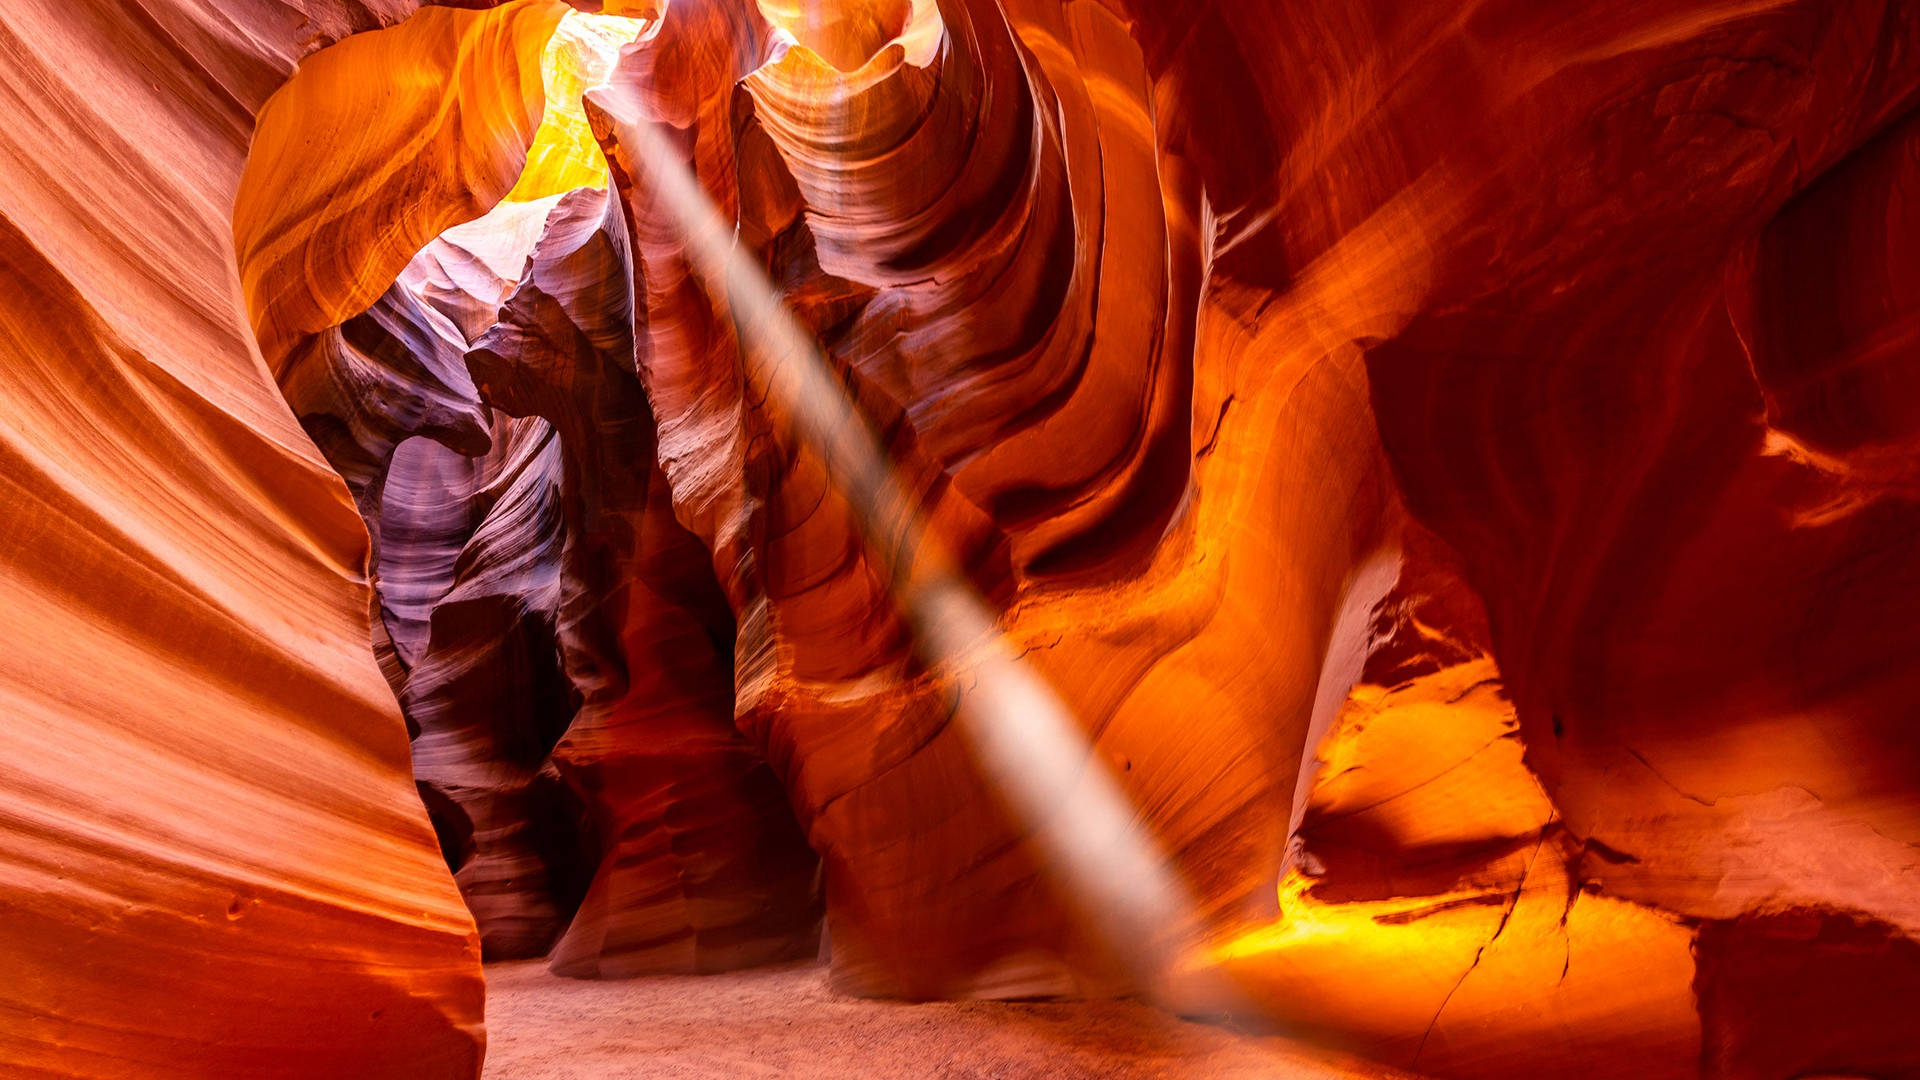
846, 35
580, 56
1306, 923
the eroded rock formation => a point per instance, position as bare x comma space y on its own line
557, 640
1453, 460
213, 859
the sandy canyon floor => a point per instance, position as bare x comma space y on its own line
785, 1022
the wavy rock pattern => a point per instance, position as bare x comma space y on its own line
1182, 503
542, 590
1457, 461
320, 236
1055, 466
1574, 398
212, 859
700, 866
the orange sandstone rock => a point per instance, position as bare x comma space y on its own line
1455, 461
212, 859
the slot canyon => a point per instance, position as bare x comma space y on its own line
960, 538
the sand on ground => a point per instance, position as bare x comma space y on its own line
785, 1022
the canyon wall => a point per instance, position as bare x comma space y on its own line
1195, 330
215, 862
1454, 461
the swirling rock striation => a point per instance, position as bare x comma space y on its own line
214, 862
700, 866
1179, 453
1456, 461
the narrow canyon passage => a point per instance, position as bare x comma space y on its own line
960, 538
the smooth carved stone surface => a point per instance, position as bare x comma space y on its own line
1455, 460
544, 589
700, 865
950, 257
1437, 885
1335, 236
212, 858
488, 696
354, 168
1688, 570
1723, 608
468, 629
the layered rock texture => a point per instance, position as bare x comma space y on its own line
556, 639
1456, 462
212, 858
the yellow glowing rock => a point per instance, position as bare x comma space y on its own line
579, 57
375, 147
844, 33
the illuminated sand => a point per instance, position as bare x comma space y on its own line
785, 1022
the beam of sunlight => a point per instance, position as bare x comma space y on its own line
1039, 761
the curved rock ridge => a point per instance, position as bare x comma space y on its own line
487, 695
543, 617
212, 858
1583, 251
1456, 461
467, 578
318, 243
700, 865
1101, 582
1370, 259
